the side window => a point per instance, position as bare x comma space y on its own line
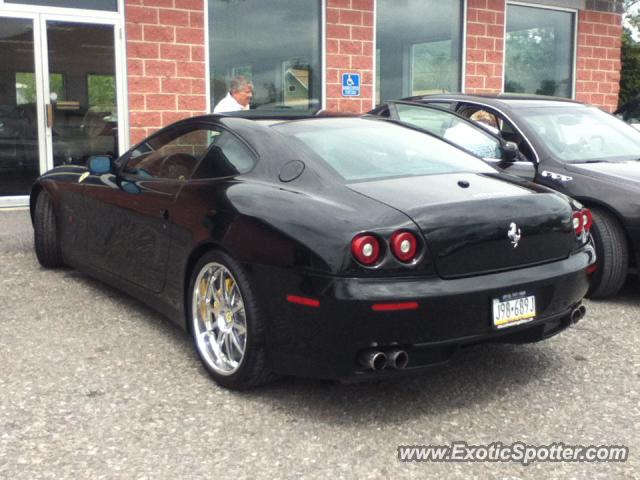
495, 122
173, 154
453, 128
227, 156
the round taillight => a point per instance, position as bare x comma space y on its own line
365, 249
404, 246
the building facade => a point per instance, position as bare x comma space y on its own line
87, 77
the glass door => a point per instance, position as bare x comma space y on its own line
19, 132
80, 92
60, 95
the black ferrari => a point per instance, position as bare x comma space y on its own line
327, 247
578, 150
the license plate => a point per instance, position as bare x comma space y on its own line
511, 310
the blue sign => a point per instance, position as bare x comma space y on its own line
350, 84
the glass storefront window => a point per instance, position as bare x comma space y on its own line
275, 45
539, 51
108, 5
419, 47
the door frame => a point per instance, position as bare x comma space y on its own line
40, 15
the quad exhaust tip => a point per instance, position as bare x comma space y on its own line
398, 359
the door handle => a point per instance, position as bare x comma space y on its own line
49, 115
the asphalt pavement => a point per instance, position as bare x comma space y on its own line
93, 384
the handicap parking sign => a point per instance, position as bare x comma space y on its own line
350, 84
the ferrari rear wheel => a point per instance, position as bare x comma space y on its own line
612, 253
226, 323
45, 233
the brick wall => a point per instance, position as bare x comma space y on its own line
165, 62
485, 46
598, 61
350, 32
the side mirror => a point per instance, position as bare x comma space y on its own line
510, 150
100, 164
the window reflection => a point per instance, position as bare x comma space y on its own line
419, 44
275, 46
539, 51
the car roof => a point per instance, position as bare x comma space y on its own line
512, 100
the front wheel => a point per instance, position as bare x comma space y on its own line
226, 323
45, 233
612, 253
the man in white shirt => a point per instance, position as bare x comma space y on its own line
238, 98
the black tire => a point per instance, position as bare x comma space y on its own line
612, 251
252, 370
45, 233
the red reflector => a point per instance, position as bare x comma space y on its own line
389, 307
592, 269
308, 302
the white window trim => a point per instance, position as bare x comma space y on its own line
323, 55
574, 63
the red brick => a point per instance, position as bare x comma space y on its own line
367, 48
178, 18
498, 5
158, 3
337, 61
190, 4
478, 29
361, 62
190, 35
158, 34
145, 119
362, 33
586, 28
496, 31
474, 81
135, 67
198, 86
334, 90
133, 32
176, 85
368, 19
494, 84
159, 68
333, 46
190, 69
160, 101
136, 135
486, 43
471, 68
475, 55
139, 15
339, 3
351, 105
338, 31
350, 17
472, 42
362, 5
486, 16
175, 52
136, 101
143, 85
348, 47
196, 19
171, 117
142, 50
333, 16
197, 53
584, 75
332, 104
333, 75
472, 15
191, 102
484, 69
597, 76
494, 57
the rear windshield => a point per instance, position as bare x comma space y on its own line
362, 149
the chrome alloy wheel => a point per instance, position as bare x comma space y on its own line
219, 319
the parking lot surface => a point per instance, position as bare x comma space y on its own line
93, 384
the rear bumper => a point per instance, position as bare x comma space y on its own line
326, 341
